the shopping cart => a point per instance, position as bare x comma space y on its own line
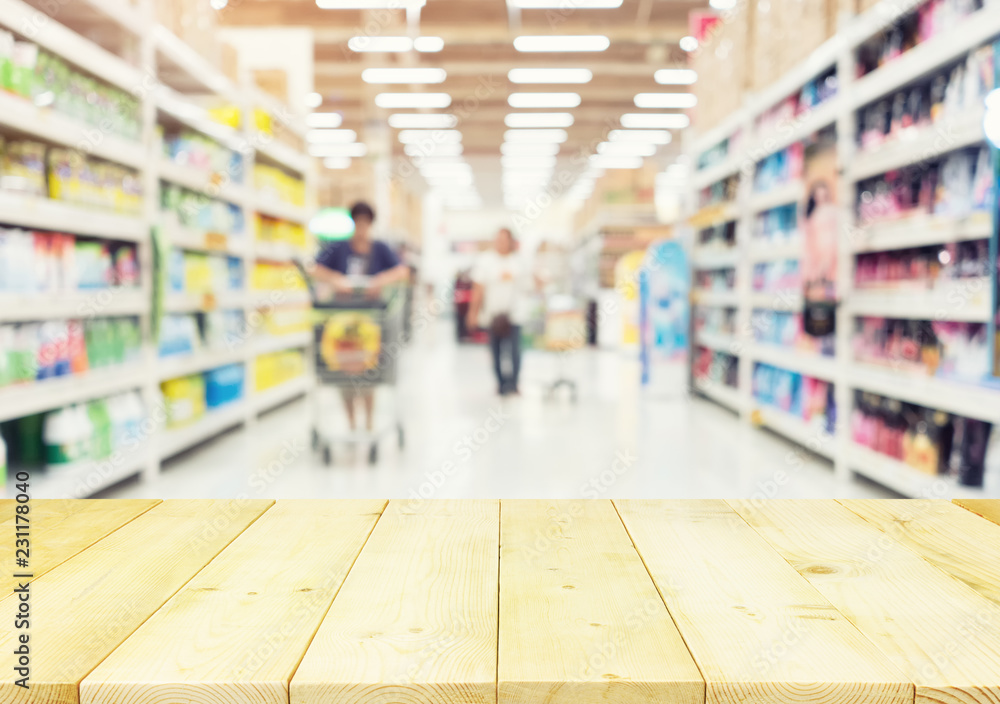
562, 329
357, 343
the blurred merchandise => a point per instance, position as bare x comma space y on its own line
720, 237
197, 211
922, 267
811, 400
197, 272
269, 229
269, 276
776, 277
275, 369
777, 225
717, 321
272, 183
194, 150
951, 350
780, 169
784, 329
715, 279
716, 367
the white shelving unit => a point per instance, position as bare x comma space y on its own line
956, 300
163, 57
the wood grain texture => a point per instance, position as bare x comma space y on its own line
937, 630
724, 585
987, 508
952, 539
580, 620
416, 620
84, 608
62, 528
236, 632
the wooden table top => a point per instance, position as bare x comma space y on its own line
509, 602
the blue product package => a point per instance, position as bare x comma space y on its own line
224, 385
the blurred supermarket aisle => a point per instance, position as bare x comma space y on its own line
463, 442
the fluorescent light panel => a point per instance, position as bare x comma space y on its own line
528, 149
412, 100
331, 136
550, 75
675, 76
421, 121
380, 44
430, 136
547, 136
337, 162
433, 150
644, 136
616, 162
313, 100
324, 120
626, 149
528, 162
638, 120
538, 119
666, 101
541, 43
428, 45
543, 100
404, 75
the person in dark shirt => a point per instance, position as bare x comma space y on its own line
339, 264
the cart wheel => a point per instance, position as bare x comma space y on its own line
402, 436
315, 439
328, 456
373, 454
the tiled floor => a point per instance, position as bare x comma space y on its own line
464, 442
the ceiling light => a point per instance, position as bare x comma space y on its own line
538, 119
428, 45
403, 121
722, 4
530, 149
675, 76
380, 44
326, 120
404, 75
412, 100
645, 136
653, 121
665, 100
369, 4
337, 162
433, 150
313, 100
626, 149
430, 136
550, 75
331, 136
353, 149
688, 43
543, 100
528, 162
562, 43
549, 136
616, 162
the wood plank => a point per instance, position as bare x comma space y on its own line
724, 585
416, 620
237, 631
62, 528
987, 508
934, 628
952, 539
580, 619
84, 608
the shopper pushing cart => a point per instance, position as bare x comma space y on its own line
353, 327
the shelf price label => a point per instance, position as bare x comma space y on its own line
216, 241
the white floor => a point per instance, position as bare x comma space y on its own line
462, 441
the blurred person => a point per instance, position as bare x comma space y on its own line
499, 278
340, 263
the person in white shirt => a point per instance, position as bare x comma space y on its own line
499, 279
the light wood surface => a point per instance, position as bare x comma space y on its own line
987, 508
60, 529
416, 620
84, 608
723, 584
952, 539
934, 628
580, 619
236, 632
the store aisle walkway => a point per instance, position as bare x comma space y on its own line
464, 442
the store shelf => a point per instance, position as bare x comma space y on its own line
280, 154
264, 401
186, 65
717, 214
715, 298
814, 439
204, 302
278, 343
84, 479
781, 300
106, 303
783, 195
775, 251
47, 125
961, 398
278, 252
283, 211
28, 399
196, 240
797, 129
715, 257
183, 365
717, 341
45, 214
920, 231
196, 118
177, 440
206, 183
961, 300
919, 145
714, 174
723, 395
904, 479
807, 363
75, 49
927, 57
